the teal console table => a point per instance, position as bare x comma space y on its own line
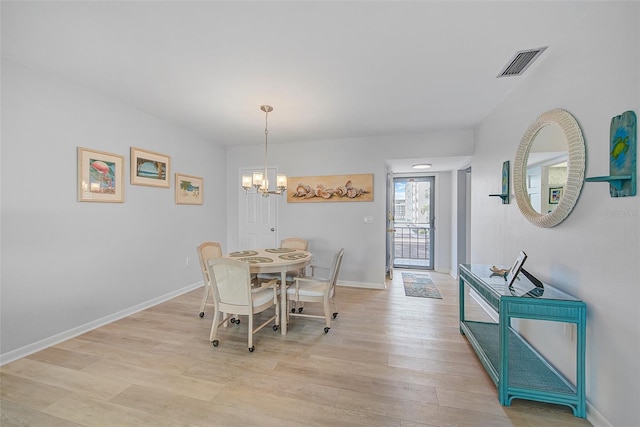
517, 369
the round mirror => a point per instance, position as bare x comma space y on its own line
549, 167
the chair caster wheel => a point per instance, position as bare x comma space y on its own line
335, 315
201, 314
251, 349
275, 327
300, 309
326, 330
215, 343
293, 310
237, 321
232, 320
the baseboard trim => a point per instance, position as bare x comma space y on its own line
365, 285
482, 303
596, 418
21, 352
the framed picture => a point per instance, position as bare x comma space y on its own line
188, 189
517, 265
100, 176
330, 188
555, 194
149, 168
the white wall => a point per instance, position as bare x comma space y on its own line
68, 265
329, 226
460, 218
594, 253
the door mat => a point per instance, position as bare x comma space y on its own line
419, 285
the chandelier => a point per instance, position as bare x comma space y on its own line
259, 179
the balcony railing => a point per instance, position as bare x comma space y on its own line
412, 242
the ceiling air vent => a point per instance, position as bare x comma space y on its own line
521, 62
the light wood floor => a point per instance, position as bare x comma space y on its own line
388, 360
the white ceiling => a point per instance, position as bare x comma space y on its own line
330, 69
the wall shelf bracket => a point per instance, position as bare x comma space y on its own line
616, 181
504, 197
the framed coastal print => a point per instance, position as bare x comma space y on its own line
149, 168
188, 189
100, 176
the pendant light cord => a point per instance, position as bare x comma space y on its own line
266, 133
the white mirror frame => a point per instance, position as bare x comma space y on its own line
575, 172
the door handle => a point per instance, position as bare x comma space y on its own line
273, 229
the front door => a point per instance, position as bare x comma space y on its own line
390, 224
258, 217
413, 215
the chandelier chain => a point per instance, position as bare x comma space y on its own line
260, 180
266, 140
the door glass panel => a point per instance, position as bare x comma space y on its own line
413, 222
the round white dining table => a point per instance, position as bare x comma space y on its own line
276, 260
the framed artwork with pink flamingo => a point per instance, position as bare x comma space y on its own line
100, 176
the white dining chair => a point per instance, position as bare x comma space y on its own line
315, 289
207, 251
289, 243
232, 293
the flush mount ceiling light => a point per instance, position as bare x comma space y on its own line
259, 180
422, 166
